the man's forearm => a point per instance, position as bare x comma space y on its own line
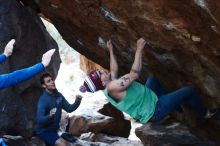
137, 65
125, 81
113, 65
71, 107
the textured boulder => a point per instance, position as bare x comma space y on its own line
110, 121
20, 141
86, 140
84, 124
18, 103
119, 126
169, 135
87, 65
183, 38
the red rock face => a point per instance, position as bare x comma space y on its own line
87, 65
183, 37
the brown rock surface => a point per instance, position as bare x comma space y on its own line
20, 141
174, 134
118, 127
87, 65
111, 122
183, 38
18, 103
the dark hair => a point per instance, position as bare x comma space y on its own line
44, 76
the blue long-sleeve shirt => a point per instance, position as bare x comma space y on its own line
18, 76
48, 101
2, 58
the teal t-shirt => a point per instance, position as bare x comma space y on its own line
139, 102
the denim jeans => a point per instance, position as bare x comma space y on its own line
169, 102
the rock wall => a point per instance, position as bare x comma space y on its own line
87, 65
18, 103
182, 35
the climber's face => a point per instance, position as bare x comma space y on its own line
105, 77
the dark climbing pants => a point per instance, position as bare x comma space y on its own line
170, 101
